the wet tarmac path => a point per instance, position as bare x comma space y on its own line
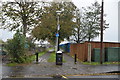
44, 68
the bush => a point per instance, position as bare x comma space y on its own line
16, 48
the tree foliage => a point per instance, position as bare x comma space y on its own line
48, 23
88, 23
20, 15
79, 32
16, 48
30, 43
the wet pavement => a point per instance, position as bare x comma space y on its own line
98, 76
47, 69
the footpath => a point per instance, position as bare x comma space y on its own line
47, 69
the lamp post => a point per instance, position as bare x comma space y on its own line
58, 52
58, 28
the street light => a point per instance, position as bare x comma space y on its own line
58, 28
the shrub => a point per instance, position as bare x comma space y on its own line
16, 48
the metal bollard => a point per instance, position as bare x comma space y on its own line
75, 57
36, 56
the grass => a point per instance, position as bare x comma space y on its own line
90, 63
33, 57
98, 63
52, 58
11, 64
28, 60
50, 48
111, 63
41, 53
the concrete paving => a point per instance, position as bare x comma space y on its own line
44, 68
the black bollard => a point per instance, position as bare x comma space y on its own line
75, 58
36, 56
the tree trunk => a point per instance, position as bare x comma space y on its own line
24, 18
24, 25
78, 41
89, 38
24, 29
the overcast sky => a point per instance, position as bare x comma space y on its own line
110, 8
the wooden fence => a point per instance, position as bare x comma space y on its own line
81, 49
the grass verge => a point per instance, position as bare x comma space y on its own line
98, 63
29, 59
52, 57
90, 63
111, 63
12, 64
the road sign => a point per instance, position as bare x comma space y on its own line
57, 35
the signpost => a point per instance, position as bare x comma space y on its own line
57, 35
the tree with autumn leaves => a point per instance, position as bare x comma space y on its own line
47, 28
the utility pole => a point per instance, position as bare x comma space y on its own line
101, 45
